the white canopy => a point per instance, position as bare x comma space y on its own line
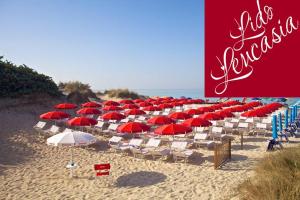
71, 138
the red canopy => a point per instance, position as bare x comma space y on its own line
130, 106
172, 129
205, 109
211, 116
111, 103
197, 122
112, 108
145, 104
113, 116
82, 121
65, 106
179, 115
138, 100
88, 111
91, 105
53, 115
254, 113
152, 108
160, 120
225, 113
135, 112
176, 104
126, 101
193, 112
133, 127
165, 105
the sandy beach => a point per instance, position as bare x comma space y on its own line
29, 169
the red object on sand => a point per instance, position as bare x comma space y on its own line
133, 127
130, 106
172, 129
65, 106
126, 101
160, 120
113, 116
193, 112
81, 121
211, 116
53, 115
145, 104
102, 169
152, 108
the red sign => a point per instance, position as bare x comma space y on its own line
252, 48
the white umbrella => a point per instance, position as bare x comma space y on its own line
71, 138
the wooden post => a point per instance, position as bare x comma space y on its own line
242, 140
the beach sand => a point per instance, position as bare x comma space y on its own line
29, 169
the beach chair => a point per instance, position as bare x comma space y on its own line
156, 113
267, 121
261, 128
201, 139
53, 130
112, 128
179, 151
133, 143
150, 146
39, 126
125, 120
142, 118
228, 127
99, 125
243, 127
115, 143
217, 133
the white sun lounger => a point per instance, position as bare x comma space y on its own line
125, 120
217, 132
261, 128
53, 130
179, 151
40, 125
112, 128
202, 139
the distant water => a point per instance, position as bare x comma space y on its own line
176, 93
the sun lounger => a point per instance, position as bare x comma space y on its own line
115, 142
99, 125
202, 139
156, 113
243, 127
228, 127
112, 128
125, 120
217, 133
39, 126
133, 143
261, 128
179, 151
53, 130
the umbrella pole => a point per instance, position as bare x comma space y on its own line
71, 168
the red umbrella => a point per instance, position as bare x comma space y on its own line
179, 115
150, 100
231, 103
254, 113
126, 101
113, 116
88, 111
211, 116
205, 109
135, 112
145, 104
152, 108
112, 108
54, 115
65, 106
198, 101
157, 102
138, 100
193, 112
176, 104
133, 127
160, 120
111, 103
81, 121
197, 122
165, 105
130, 106
91, 105
225, 113
172, 129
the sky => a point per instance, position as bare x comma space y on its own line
135, 44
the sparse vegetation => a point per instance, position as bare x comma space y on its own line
276, 177
21, 80
74, 86
122, 94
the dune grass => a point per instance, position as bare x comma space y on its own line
277, 176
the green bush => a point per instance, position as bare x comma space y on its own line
277, 176
22, 80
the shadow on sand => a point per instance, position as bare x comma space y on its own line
140, 179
